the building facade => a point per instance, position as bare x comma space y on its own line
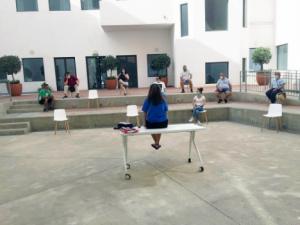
209, 36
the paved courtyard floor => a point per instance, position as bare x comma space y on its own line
250, 178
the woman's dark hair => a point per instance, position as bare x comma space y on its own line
154, 95
200, 89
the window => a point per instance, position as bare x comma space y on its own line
63, 65
213, 70
216, 15
252, 66
89, 4
244, 13
26, 5
151, 72
184, 20
3, 76
282, 57
59, 5
33, 69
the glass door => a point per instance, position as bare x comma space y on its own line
129, 62
63, 65
96, 77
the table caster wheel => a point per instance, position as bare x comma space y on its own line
127, 176
189, 160
201, 169
128, 166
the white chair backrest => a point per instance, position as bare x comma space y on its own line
93, 94
60, 115
132, 110
275, 110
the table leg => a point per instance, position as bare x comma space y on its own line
201, 169
190, 146
126, 165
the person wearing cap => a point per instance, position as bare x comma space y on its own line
45, 97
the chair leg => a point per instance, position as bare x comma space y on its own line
138, 121
68, 127
55, 128
206, 119
89, 103
97, 103
65, 123
277, 125
280, 123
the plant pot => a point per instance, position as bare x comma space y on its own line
16, 89
165, 80
111, 84
263, 78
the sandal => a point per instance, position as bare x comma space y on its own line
155, 146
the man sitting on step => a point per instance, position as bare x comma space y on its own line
45, 97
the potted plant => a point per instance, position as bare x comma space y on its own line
161, 62
11, 65
110, 63
262, 56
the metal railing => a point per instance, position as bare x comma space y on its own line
248, 81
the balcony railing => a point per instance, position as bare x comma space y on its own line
248, 82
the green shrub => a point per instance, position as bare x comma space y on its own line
160, 62
262, 56
10, 65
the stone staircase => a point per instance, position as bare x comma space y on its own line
17, 128
25, 107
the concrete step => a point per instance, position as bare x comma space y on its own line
15, 131
29, 110
14, 125
26, 106
34, 102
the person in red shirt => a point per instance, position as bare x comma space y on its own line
71, 84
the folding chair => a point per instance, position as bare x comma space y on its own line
60, 116
132, 111
275, 112
93, 94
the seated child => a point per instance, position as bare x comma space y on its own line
198, 106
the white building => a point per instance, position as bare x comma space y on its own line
209, 36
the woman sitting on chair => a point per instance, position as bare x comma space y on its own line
123, 79
156, 112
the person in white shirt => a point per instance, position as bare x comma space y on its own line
186, 79
223, 86
198, 106
277, 86
161, 84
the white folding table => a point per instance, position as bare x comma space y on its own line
175, 128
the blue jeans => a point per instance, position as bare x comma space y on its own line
196, 111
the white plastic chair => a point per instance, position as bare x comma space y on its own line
275, 112
132, 111
60, 116
93, 94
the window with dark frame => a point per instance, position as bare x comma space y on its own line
282, 57
151, 72
59, 5
33, 69
184, 20
90, 4
213, 70
216, 15
26, 5
244, 13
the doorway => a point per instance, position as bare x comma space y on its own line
96, 77
63, 65
129, 62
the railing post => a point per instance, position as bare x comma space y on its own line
246, 78
240, 81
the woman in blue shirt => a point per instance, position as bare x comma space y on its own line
156, 110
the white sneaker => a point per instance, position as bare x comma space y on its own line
199, 123
191, 119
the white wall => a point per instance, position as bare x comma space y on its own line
74, 33
201, 47
287, 30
